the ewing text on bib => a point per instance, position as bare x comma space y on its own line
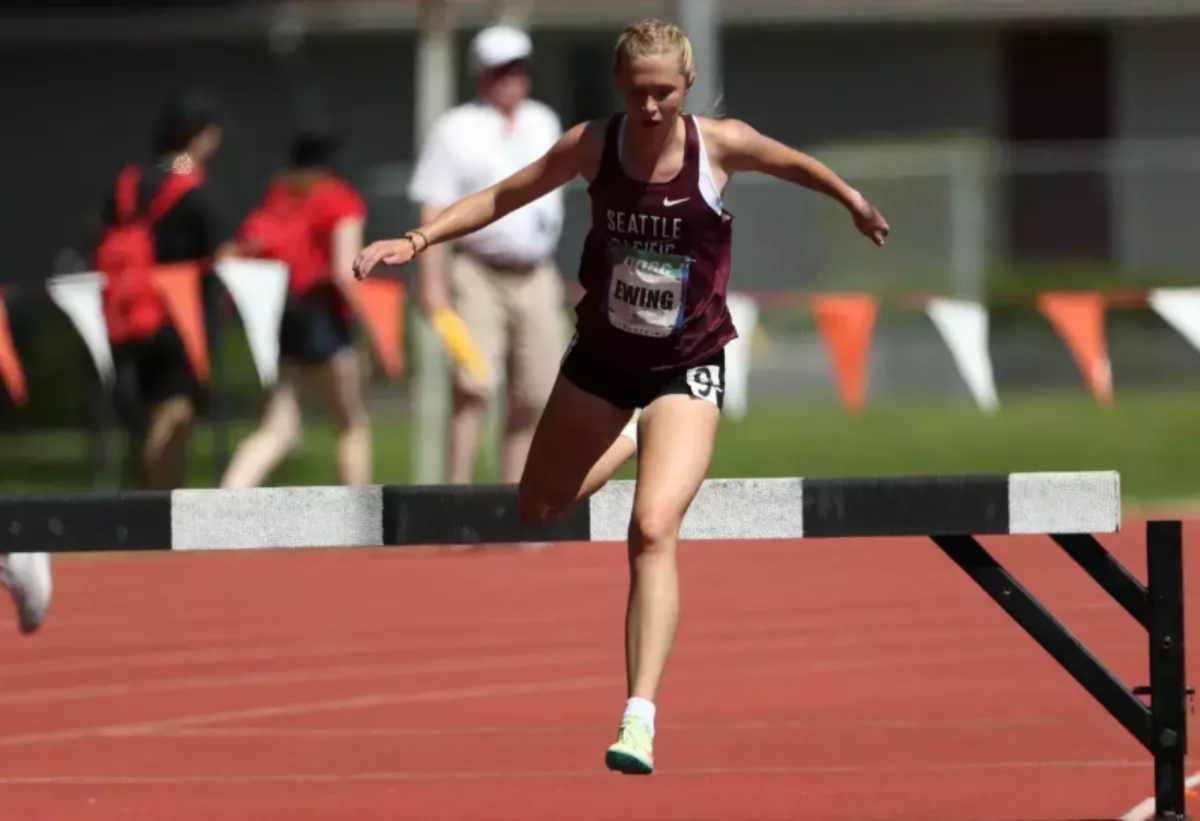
646, 290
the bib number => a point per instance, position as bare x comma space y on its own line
704, 382
646, 291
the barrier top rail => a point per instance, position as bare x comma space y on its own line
398, 515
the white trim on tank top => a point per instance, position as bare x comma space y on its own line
710, 192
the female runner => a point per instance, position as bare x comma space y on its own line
652, 326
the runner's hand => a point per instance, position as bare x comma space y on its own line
387, 252
870, 222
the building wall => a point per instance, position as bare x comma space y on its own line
1158, 195
809, 86
81, 112
84, 110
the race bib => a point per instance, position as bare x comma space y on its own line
646, 291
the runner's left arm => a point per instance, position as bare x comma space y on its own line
741, 148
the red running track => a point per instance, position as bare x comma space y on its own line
812, 680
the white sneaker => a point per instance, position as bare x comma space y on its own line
28, 579
633, 754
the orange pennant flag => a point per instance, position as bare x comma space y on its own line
380, 306
1079, 320
10, 363
180, 287
847, 322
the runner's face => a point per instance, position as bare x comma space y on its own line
653, 88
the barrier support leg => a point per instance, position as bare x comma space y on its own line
1050, 633
1110, 574
1160, 727
1168, 696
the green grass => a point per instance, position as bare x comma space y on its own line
1149, 437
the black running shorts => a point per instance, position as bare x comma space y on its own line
313, 329
628, 389
153, 370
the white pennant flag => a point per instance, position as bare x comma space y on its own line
964, 328
1180, 307
738, 353
259, 289
79, 297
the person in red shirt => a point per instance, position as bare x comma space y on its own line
312, 220
160, 212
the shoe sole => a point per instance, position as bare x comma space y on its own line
627, 762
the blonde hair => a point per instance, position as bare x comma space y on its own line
656, 37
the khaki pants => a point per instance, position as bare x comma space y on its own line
518, 320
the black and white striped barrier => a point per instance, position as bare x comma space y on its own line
397, 515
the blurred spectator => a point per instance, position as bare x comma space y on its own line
503, 281
160, 212
312, 220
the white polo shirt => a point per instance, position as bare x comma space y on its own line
472, 147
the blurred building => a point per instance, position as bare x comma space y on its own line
1100, 94
1001, 137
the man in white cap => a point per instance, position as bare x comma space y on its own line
502, 281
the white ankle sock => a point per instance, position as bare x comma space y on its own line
643, 709
630, 431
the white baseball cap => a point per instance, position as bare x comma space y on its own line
499, 45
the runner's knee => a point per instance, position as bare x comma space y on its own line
653, 529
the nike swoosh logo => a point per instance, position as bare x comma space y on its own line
668, 203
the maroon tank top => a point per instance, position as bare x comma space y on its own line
655, 266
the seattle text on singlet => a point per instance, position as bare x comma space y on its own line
655, 265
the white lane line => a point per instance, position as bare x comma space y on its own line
1145, 810
776, 726
931, 656
330, 778
312, 707
304, 676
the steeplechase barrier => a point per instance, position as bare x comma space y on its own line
1070, 508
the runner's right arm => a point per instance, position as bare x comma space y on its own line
572, 155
